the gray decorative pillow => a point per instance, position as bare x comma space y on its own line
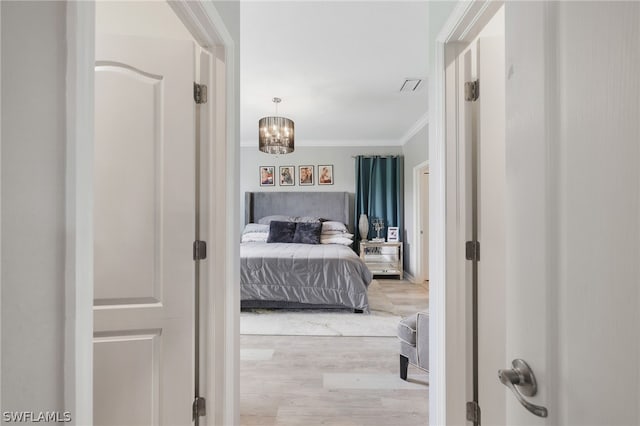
281, 232
307, 233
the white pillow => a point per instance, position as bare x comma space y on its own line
336, 240
333, 226
328, 234
255, 227
255, 237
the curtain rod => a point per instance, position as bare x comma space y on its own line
377, 156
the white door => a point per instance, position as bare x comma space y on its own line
483, 130
144, 230
573, 209
491, 228
424, 225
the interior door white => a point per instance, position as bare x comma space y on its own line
573, 209
491, 229
483, 133
486, 57
424, 225
144, 231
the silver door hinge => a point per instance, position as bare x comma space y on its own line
200, 93
199, 408
199, 250
472, 90
472, 249
473, 412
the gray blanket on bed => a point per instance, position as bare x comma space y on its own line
326, 274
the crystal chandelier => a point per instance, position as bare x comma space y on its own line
276, 134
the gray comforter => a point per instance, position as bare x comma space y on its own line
321, 274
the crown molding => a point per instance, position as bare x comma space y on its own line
413, 130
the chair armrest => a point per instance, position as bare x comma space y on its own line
422, 340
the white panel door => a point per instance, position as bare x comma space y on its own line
573, 209
144, 231
491, 229
483, 130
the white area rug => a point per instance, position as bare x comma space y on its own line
317, 322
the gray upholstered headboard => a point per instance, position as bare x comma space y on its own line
328, 205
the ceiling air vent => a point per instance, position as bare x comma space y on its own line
411, 85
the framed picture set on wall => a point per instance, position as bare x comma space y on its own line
325, 175
287, 176
267, 177
305, 174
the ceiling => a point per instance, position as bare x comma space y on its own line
338, 67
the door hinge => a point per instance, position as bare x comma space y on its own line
200, 93
199, 408
472, 90
199, 250
473, 250
473, 412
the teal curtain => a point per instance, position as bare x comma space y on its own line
379, 193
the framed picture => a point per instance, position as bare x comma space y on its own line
305, 174
392, 234
267, 176
325, 175
287, 175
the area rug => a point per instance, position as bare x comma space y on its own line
380, 322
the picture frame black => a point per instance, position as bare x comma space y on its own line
325, 174
266, 176
306, 175
286, 175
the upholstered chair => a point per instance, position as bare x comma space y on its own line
413, 332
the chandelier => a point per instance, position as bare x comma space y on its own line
276, 134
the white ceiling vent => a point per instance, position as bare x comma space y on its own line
411, 85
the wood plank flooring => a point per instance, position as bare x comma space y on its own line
339, 381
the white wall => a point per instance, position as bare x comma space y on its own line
139, 18
344, 174
33, 204
415, 152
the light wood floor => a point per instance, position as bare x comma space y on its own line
341, 381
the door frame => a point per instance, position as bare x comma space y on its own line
417, 214
219, 343
450, 331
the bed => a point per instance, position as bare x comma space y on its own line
290, 275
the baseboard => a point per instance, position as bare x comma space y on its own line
409, 277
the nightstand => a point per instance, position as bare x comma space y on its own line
382, 258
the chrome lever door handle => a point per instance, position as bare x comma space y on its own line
521, 381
